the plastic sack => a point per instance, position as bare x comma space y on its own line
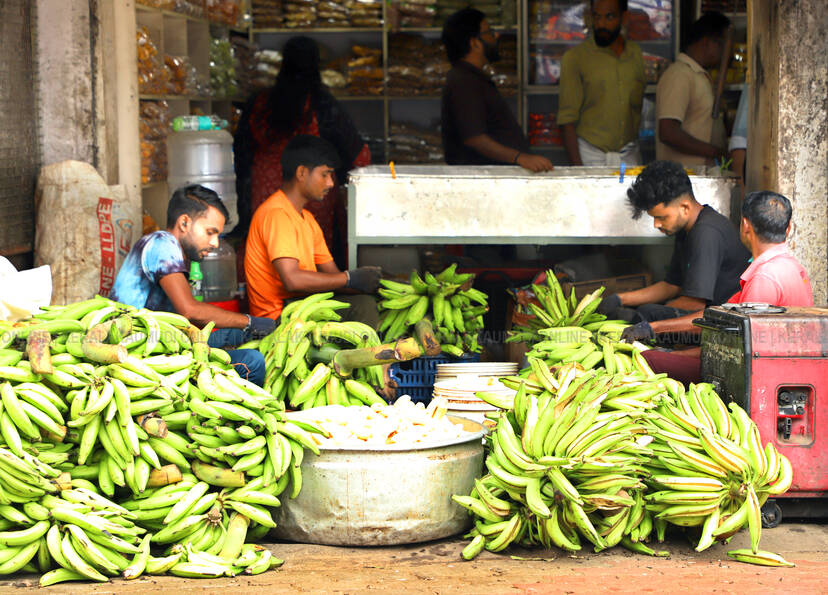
22, 293
84, 230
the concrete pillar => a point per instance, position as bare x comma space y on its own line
120, 90
788, 132
87, 88
65, 81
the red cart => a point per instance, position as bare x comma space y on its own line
773, 362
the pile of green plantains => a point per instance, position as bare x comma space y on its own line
614, 458
300, 354
129, 446
455, 308
557, 311
314, 359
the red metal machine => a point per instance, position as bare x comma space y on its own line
773, 362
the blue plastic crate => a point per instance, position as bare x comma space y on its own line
416, 377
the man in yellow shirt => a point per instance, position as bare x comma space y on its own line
286, 255
685, 129
602, 90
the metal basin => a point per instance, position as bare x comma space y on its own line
385, 496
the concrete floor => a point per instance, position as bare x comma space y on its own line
436, 567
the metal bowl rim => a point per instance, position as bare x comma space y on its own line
477, 435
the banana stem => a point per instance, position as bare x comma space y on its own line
164, 476
98, 333
402, 350
63, 481
37, 348
424, 332
324, 354
201, 352
153, 425
104, 353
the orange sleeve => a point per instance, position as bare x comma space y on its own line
281, 238
321, 254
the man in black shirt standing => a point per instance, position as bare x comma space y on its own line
708, 257
477, 125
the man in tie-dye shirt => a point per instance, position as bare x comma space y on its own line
154, 276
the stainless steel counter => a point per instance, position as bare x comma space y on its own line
429, 204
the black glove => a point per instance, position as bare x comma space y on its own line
609, 304
258, 328
364, 279
638, 332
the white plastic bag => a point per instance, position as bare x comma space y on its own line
22, 293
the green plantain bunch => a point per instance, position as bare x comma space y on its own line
448, 299
613, 458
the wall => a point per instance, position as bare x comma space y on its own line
18, 143
803, 132
789, 122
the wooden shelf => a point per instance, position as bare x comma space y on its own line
178, 34
572, 42
180, 15
419, 109
414, 97
542, 41
289, 30
360, 30
499, 28
179, 97
358, 97
555, 89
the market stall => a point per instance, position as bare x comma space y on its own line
504, 205
128, 446
131, 447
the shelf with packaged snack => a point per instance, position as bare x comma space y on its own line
180, 74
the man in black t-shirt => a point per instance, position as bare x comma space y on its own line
708, 257
477, 125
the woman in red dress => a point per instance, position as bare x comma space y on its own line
299, 103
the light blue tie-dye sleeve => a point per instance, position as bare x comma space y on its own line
151, 258
162, 256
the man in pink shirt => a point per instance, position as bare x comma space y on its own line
774, 277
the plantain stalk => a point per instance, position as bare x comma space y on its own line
37, 349
402, 350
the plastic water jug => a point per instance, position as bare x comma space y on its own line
204, 157
219, 270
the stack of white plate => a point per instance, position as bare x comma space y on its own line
479, 369
460, 382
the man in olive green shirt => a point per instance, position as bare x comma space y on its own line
601, 92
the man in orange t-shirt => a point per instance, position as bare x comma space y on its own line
286, 255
